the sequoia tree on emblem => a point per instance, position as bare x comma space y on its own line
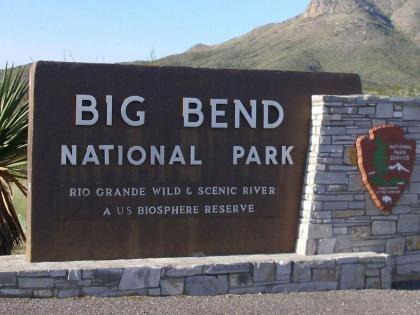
385, 159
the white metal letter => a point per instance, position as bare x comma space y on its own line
250, 118
90, 156
285, 155
108, 100
91, 108
187, 111
106, 148
270, 155
67, 155
238, 152
217, 113
139, 113
280, 112
130, 155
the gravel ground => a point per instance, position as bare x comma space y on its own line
336, 302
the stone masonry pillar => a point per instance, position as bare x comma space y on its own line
337, 213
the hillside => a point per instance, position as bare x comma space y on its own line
379, 39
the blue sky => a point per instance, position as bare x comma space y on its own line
113, 31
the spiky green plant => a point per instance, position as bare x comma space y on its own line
13, 148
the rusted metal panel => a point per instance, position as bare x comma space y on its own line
65, 225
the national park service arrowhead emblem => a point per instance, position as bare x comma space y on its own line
385, 159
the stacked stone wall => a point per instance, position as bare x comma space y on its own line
194, 276
337, 213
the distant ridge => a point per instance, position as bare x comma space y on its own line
379, 39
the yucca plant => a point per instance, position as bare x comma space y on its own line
13, 148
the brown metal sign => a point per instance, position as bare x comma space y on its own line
129, 161
385, 160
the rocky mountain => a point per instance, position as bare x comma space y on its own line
379, 39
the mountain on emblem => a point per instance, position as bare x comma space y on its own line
398, 167
385, 159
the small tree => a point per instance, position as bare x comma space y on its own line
13, 149
379, 161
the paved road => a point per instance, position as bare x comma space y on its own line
338, 302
